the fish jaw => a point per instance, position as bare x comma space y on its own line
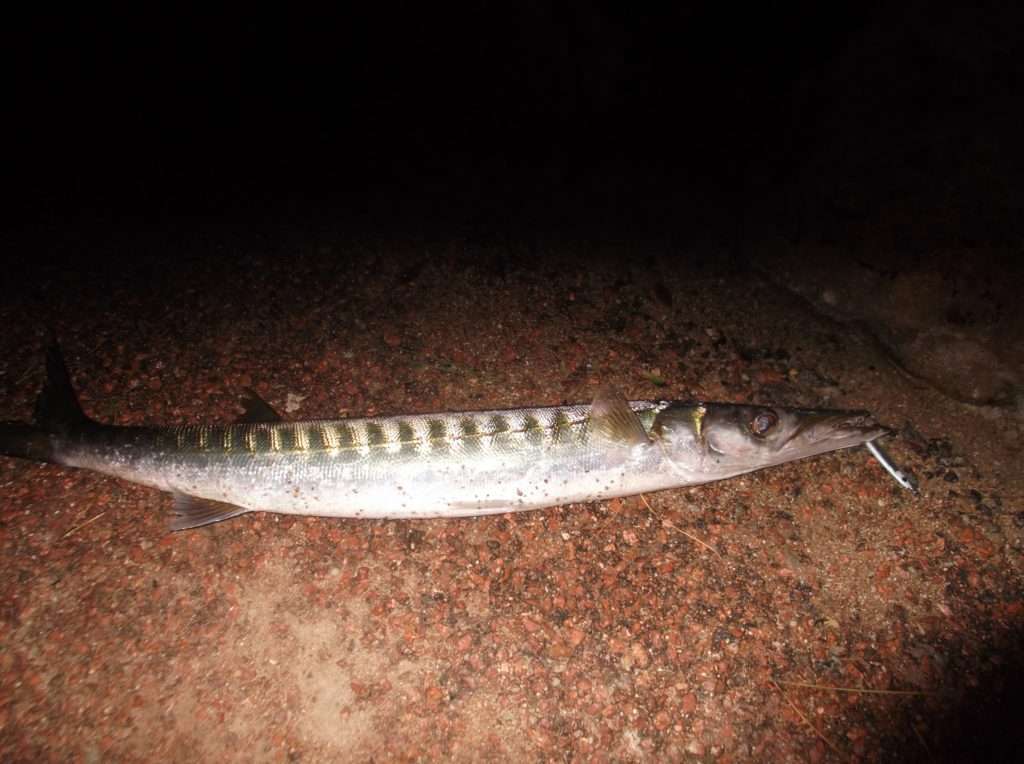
820, 431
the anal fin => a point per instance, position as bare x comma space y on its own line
193, 512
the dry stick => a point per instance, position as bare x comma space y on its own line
806, 721
680, 530
79, 527
866, 690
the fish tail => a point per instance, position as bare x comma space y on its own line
57, 412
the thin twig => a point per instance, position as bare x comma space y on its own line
28, 373
680, 530
866, 690
79, 527
807, 721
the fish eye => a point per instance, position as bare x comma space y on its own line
763, 422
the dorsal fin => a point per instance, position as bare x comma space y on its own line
612, 420
57, 407
257, 410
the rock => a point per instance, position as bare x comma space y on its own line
959, 365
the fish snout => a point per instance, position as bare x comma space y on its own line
850, 426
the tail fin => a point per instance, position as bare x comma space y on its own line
57, 407
57, 413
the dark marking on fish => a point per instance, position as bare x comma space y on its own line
437, 433
315, 437
469, 434
287, 437
375, 435
260, 438
407, 437
533, 429
346, 436
561, 427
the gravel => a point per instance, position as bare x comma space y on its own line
804, 613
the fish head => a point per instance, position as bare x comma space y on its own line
733, 439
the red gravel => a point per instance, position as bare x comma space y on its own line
692, 629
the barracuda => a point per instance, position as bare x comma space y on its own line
434, 465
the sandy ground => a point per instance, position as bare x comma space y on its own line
811, 612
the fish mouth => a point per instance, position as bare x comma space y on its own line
829, 430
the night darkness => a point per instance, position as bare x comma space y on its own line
411, 208
557, 113
562, 116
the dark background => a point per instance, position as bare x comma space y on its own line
702, 121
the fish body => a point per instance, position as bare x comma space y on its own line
434, 465
438, 465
